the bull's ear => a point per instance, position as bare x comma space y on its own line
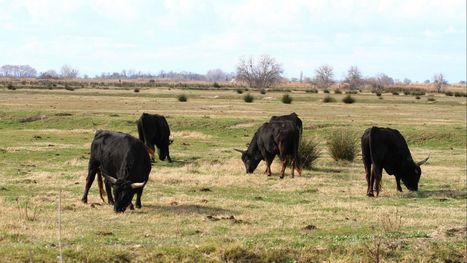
424, 160
238, 150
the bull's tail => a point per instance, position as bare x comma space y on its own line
100, 183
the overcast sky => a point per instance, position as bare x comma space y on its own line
405, 39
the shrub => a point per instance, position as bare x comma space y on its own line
182, 98
287, 99
431, 99
248, 98
136, 90
262, 91
352, 91
342, 145
417, 97
449, 93
216, 85
395, 93
68, 87
239, 91
337, 91
309, 152
11, 87
328, 99
326, 91
378, 94
152, 81
460, 94
348, 99
406, 92
312, 90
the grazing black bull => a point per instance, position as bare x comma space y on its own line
153, 129
124, 162
385, 148
271, 139
293, 117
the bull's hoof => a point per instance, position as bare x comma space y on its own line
370, 195
84, 200
282, 177
111, 203
138, 206
131, 207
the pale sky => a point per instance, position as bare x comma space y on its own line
405, 39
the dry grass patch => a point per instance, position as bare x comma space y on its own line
191, 135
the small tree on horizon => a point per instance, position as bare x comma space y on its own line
262, 74
354, 78
324, 77
439, 82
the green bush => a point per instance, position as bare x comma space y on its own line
262, 91
182, 98
328, 99
287, 99
417, 97
69, 88
309, 152
326, 91
312, 90
343, 145
337, 91
248, 98
395, 93
378, 94
216, 85
460, 94
239, 91
449, 93
431, 99
11, 86
348, 99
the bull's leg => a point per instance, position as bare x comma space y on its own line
108, 189
92, 170
284, 165
398, 182
168, 156
367, 164
376, 174
139, 192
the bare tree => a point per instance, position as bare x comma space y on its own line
49, 74
68, 72
439, 82
324, 77
354, 78
18, 71
380, 81
264, 73
216, 75
407, 81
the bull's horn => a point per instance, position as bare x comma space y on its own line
423, 161
238, 150
111, 179
137, 185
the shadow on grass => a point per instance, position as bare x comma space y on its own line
188, 209
454, 194
175, 162
326, 170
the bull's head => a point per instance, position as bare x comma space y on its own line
413, 173
250, 161
123, 192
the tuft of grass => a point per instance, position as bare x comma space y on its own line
342, 145
182, 98
395, 93
417, 97
352, 91
262, 91
309, 152
328, 99
287, 99
337, 91
348, 99
326, 91
216, 85
431, 99
378, 94
312, 90
11, 86
136, 90
248, 98
239, 91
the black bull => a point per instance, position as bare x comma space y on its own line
385, 148
124, 162
153, 129
271, 139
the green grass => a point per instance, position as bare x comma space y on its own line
180, 221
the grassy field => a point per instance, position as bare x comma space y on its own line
203, 207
